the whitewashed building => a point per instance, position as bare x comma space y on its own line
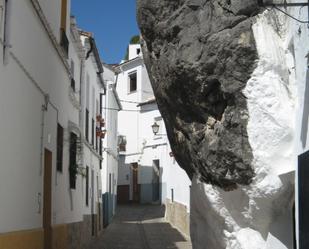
148, 172
43, 154
92, 123
109, 174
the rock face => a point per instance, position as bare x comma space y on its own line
222, 73
200, 54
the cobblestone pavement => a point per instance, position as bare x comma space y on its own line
141, 227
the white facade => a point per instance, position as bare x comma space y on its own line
158, 173
37, 95
109, 174
23, 89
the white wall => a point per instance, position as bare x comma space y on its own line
172, 176
21, 160
142, 146
91, 152
133, 51
110, 163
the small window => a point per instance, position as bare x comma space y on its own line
72, 160
138, 51
132, 82
92, 132
87, 186
122, 142
59, 148
72, 79
87, 125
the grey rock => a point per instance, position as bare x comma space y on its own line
199, 55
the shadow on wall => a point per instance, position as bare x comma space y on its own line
304, 128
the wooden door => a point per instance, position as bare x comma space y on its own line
135, 182
47, 206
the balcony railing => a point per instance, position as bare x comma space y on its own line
64, 42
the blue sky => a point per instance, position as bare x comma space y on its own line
113, 23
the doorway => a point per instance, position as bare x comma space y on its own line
135, 182
303, 205
47, 207
156, 181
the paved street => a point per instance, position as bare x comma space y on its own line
141, 227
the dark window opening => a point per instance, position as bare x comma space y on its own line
72, 160
64, 42
59, 148
87, 186
72, 74
122, 142
87, 125
92, 132
138, 51
133, 82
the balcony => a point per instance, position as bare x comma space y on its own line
64, 42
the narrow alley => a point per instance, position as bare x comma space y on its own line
141, 227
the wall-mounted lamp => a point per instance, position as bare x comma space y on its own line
155, 128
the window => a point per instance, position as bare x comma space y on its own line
92, 132
72, 160
72, 79
138, 51
122, 142
132, 82
87, 91
87, 186
87, 125
64, 42
59, 148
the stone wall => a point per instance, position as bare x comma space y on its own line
178, 215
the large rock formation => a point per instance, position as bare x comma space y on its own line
223, 85
200, 54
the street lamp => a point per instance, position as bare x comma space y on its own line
155, 128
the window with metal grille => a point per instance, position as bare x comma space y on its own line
59, 148
92, 132
72, 160
87, 186
87, 125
